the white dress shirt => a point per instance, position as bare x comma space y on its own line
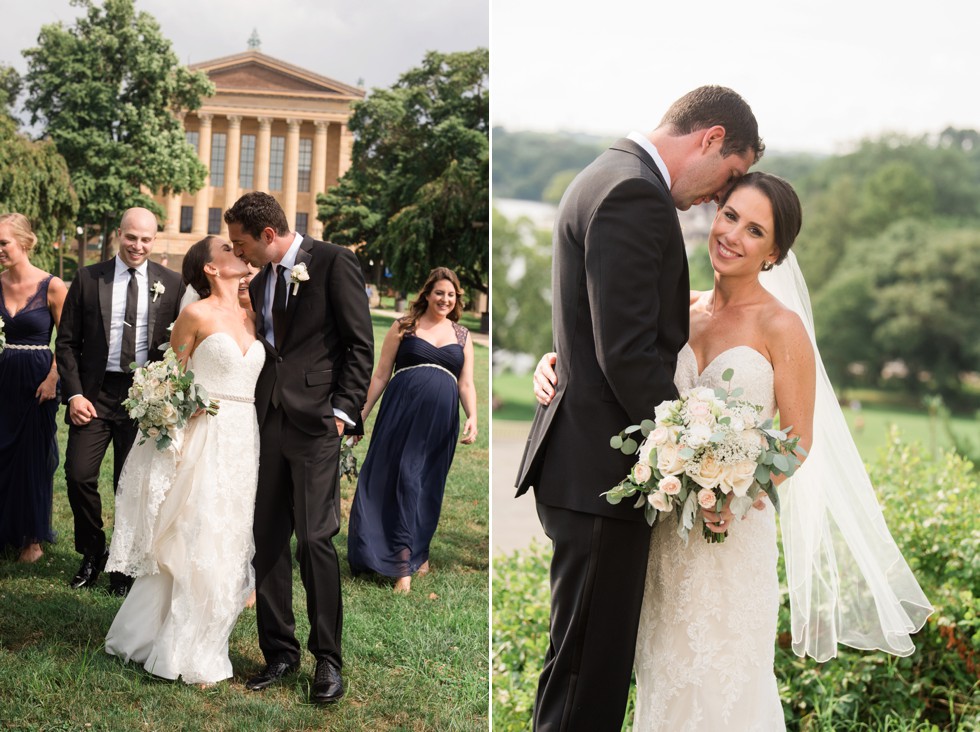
643, 141
120, 283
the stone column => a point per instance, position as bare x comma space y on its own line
263, 143
233, 157
346, 150
318, 179
202, 200
172, 226
290, 173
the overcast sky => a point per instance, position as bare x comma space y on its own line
819, 75
347, 40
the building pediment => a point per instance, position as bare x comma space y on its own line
254, 72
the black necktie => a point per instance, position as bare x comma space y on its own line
129, 323
279, 305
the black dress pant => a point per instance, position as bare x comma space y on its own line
298, 490
87, 446
597, 575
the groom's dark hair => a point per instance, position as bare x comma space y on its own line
708, 106
256, 211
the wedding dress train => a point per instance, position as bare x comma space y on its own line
183, 527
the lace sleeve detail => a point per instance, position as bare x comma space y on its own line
461, 333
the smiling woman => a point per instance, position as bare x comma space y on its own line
425, 371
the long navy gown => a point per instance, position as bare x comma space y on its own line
399, 490
28, 442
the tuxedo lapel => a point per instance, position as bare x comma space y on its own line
105, 297
258, 286
303, 256
152, 310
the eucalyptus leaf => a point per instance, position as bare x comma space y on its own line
762, 474
780, 462
629, 447
640, 500
737, 392
728, 374
615, 442
631, 429
647, 426
686, 452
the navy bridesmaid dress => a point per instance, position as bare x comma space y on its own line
400, 487
28, 433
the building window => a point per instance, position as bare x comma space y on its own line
194, 140
277, 153
186, 219
214, 220
246, 175
302, 222
219, 141
305, 160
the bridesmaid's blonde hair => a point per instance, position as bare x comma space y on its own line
21, 226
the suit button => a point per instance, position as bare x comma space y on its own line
279, 359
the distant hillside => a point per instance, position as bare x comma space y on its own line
536, 166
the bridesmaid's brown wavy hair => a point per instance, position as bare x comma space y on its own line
408, 323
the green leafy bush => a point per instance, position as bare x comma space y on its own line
931, 508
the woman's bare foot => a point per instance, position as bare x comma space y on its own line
403, 585
30, 554
250, 602
424, 569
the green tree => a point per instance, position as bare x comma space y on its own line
416, 194
107, 91
521, 286
34, 179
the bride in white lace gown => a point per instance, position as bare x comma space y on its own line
183, 521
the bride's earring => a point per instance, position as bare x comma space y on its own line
767, 265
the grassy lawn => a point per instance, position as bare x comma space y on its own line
516, 403
415, 662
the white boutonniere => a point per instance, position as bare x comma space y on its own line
157, 290
298, 274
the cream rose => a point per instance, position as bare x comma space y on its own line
642, 473
660, 501
706, 499
740, 477
697, 436
670, 484
710, 473
669, 461
658, 436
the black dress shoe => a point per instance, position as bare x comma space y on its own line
273, 673
119, 584
90, 570
327, 685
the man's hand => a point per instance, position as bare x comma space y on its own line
81, 411
545, 379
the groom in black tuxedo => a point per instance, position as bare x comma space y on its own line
117, 312
620, 316
313, 318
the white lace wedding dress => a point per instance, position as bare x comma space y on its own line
706, 643
183, 527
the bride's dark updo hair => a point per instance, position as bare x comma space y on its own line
192, 269
787, 214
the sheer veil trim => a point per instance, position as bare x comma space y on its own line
848, 581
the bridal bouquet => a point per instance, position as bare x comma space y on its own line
700, 449
3, 337
163, 397
348, 460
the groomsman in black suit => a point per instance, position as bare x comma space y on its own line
117, 312
313, 319
620, 316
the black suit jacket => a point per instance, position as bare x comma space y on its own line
620, 316
82, 345
327, 351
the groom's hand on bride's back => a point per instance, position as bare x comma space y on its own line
545, 379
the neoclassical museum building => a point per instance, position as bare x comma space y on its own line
270, 126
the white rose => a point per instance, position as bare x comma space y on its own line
642, 473
670, 484
697, 436
740, 477
669, 461
705, 394
660, 501
662, 412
